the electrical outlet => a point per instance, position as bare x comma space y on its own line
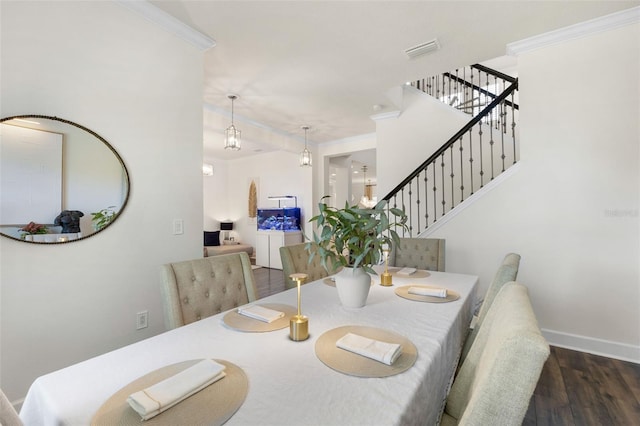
178, 227
142, 320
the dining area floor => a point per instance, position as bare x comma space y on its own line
575, 388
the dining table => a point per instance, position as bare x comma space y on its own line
288, 381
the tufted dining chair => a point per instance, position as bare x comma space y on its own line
419, 253
295, 260
199, 288
8, 414
507, 272
496, 381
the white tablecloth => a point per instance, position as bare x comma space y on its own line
288, 385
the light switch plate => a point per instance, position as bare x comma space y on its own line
178, 227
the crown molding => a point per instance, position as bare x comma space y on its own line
593, 26
168, 22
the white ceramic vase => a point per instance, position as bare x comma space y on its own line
353, 285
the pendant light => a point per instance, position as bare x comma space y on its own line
305, 156
231, 134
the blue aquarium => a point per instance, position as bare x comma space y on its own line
282, 219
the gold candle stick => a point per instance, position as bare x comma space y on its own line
385, 277
299, 324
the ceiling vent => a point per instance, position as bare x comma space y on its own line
422, 49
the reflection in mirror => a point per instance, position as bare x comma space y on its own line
59, 181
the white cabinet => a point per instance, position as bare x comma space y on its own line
268, 245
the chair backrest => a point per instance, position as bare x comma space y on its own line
496, 381
199, 288
8, 414
419, 253
295, 260
507, 272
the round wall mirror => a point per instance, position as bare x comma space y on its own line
59, 181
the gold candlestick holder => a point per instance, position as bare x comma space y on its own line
385, 277
299, 324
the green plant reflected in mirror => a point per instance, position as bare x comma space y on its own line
59, 181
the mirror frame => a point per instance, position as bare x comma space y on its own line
108, 145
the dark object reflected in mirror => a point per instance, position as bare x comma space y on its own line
69, 220
54, 176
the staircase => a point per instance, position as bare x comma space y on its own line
473, 157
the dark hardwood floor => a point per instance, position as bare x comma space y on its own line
575, 388
269, 281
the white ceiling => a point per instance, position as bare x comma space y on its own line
327, 63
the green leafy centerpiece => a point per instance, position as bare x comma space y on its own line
355, 238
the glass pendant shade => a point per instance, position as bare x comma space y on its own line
232, 138
305, 156
231, 134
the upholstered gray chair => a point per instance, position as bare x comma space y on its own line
419, 253
507, 272
199, 288
496, 381
295, 260
8, 414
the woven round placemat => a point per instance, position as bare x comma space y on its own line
213, 405
330, 281
357, 365
404, 292
244, 323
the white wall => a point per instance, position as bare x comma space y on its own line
215, 195
405, 142
571, 210
140, 88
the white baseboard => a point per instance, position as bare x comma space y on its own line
621, 351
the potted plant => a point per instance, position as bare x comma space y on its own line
103, 217
33, 228
354, 238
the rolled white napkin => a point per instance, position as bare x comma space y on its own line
383, 352
406, 271
426, 291
260, 313
163, 395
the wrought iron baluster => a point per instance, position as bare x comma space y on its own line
442, 169
481, 155
473, 94
418, 201
426, 197
458, 86
461, 148
451, 175
466, 88
471, 160
410, 210
513, 126
497, 109
403, 205
435, 205
503, 130
492, 143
